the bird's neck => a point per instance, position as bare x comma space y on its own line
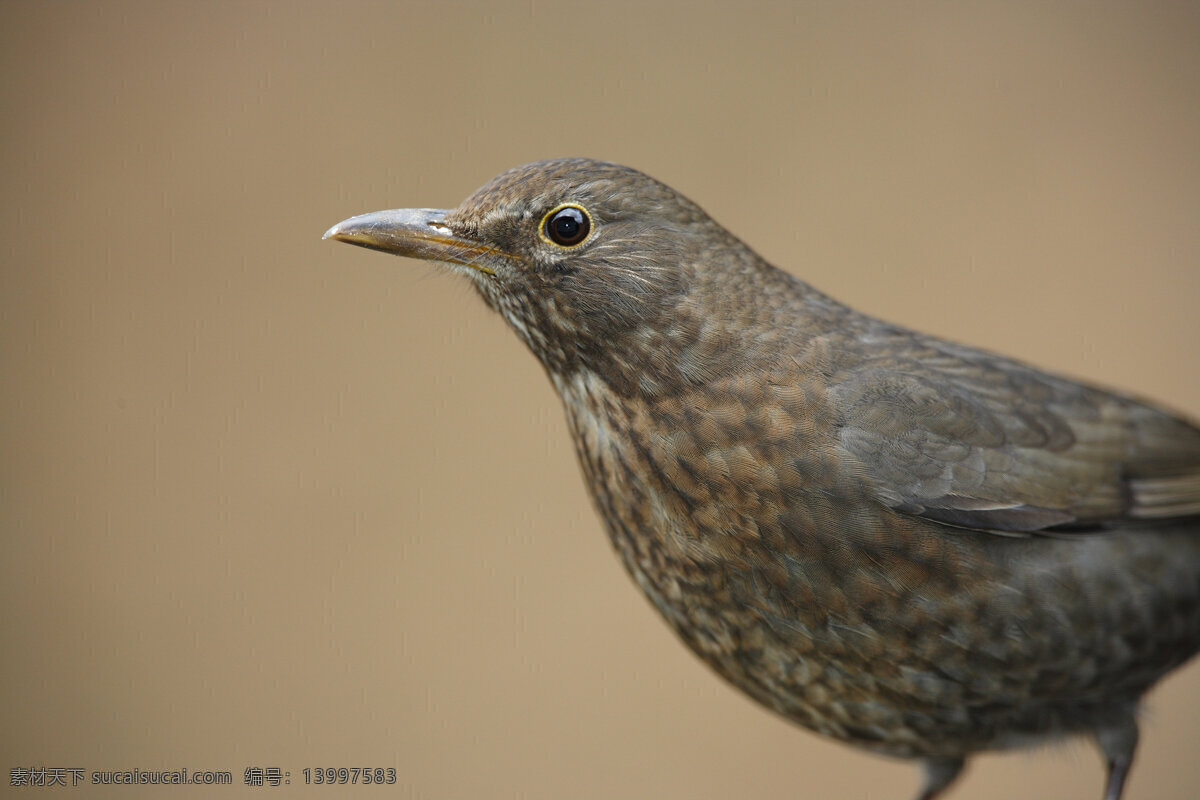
706, 336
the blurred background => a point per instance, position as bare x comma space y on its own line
272, 501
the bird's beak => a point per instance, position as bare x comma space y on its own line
414, 233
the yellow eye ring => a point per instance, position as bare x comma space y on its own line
567, 226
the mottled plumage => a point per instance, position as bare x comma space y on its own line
906, 544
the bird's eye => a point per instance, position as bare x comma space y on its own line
566, 226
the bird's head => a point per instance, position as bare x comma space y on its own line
592, 264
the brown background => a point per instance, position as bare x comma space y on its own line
268, 500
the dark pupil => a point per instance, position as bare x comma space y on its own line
568, 226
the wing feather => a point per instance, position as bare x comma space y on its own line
975, 440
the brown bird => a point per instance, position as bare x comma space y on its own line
906, 544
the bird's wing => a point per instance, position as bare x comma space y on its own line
975, 440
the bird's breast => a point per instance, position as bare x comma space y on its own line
720, 511
696, 489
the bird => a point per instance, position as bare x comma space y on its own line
909, 545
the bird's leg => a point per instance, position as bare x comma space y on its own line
939, 774
1117, 741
